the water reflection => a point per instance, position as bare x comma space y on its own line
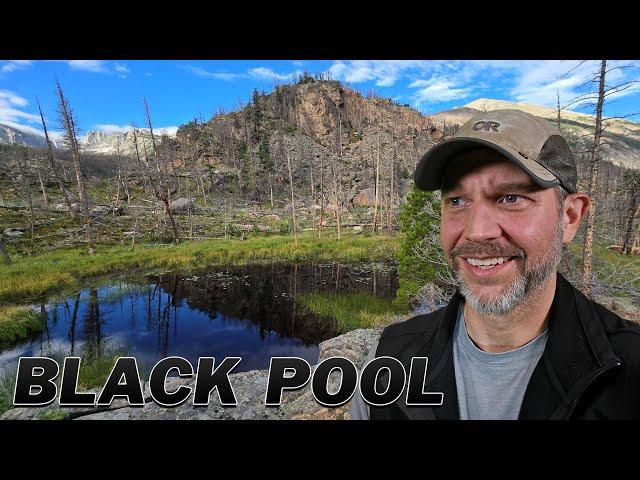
247, 311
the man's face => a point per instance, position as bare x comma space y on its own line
501, 233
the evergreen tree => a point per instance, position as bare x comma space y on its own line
419, 222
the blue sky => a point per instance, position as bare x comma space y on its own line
107, 94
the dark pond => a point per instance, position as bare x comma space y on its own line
248, 311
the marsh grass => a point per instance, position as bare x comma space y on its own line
350, 311
7, 382
95, 365
31, 278
18, 323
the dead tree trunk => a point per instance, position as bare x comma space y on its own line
72, 143
390, 204
162, 190
593, 187
377, 188
293, 201
52, 165
633, 188
44, 191
336, 194
321, 223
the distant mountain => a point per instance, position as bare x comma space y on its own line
122, 142
13, 135
621, 139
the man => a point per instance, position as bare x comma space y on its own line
517, 340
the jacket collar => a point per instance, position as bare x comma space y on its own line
577, 351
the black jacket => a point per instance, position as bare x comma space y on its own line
590, 368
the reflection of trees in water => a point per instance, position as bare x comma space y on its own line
93, 346
74, 318
263, 296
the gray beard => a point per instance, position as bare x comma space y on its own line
517, 291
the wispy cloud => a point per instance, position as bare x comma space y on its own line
100, 66
540, 82
13, 65
95, 66
259, 73
438, 89
226, 76
537, 82
384, 73
264, 73
12, 113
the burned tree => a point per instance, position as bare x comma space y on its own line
157, 173
71, 141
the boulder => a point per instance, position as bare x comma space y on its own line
15, 232
183, 205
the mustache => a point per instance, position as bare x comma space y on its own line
479, 249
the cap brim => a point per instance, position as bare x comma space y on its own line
428, 173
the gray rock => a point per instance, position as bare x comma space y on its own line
183, 205
14, 232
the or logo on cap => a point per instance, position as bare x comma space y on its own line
486, 126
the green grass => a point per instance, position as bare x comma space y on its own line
31, 278
620, 272
53, 414
7, 382
351, 310
17, 323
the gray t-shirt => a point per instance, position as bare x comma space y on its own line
489, 385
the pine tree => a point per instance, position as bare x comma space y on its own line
419, 222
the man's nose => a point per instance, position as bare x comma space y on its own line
482, 224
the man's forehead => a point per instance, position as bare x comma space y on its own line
489, 165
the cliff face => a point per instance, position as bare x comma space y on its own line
312, 124
122, 142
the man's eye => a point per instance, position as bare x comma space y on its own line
511, 198
456, 201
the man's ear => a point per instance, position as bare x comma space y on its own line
576, 206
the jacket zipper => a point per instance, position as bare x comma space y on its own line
595, 376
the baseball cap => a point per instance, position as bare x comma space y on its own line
524, 139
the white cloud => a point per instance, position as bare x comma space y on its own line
11, 98
24, 128
540, 82
269, 74
9, 113
13, 65
437, 89
261, 73
13, 115
385, 73
100, 66
201, 72
96, 66
122, 70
